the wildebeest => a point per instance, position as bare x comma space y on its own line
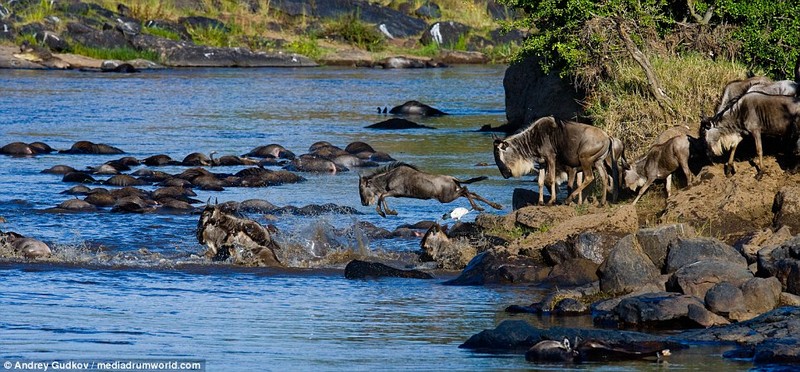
230, 236
401, 180
27, 247
737, 88
659, 163
551, 351
558, 143
416, 108
87, 147
756, 114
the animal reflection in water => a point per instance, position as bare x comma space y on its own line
228, 236
401, 180
550, 351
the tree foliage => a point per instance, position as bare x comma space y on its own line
570, 35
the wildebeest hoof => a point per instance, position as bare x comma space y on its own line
391, 212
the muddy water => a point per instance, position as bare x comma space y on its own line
132, 286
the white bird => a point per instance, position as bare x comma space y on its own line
457, 213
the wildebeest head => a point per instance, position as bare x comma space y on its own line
366, 190
719, 141
510, 161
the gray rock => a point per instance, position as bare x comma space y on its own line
445, 34
627, 268
573, 272
7, 31
105, 39
429, 10
519, 335
782, 262
499, 268
697, 278
724, 298
570, 306
786, 207
783, 322
789, 299
185, 54
655, 241
171, 26
660, 310
683, 252
778, 351
761, 295
705, 318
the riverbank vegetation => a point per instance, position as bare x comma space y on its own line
648, 65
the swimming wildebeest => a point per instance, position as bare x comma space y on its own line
401, 180
558, 143
246, 241
416, 108
551, 351
659, 163
755, 114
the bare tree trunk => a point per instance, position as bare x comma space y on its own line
655, 86
705, 19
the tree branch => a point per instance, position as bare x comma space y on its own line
655, 86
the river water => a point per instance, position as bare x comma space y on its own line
133, 286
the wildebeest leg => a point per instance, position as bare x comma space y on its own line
669, 185
540, 181
381, 205
602, 176
760, 152
729, 168
642, 190
589, 177
687, 172
470, 195
551, 169
572, 174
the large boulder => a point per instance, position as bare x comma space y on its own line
724, 298
105, 39
531, 94
655, 241
697, 278
445, 34
782, 262
493, 267
759, 296
683, 252
783, 322
627, 269
185, 54
786, 207
664, 310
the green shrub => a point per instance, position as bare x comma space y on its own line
211, 36
307, 46
352, 30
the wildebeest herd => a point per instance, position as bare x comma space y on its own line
751, 107
560, 149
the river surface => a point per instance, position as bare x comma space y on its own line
133, 286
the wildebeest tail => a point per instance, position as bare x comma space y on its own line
471, 180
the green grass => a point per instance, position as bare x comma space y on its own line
355, 32
211, 36
623, 105
160, 32
122, 54
37, 12
307, 46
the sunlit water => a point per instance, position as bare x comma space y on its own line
177, 305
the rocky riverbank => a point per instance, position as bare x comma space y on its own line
70, 28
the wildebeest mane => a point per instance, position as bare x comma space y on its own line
389, 167
525, 139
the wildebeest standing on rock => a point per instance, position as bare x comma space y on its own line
416, 108
86, 147
558, 143
401, 180
659, 163
755, 114
243, 240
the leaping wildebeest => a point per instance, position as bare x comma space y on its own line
401, 180
558, 143
756, 114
